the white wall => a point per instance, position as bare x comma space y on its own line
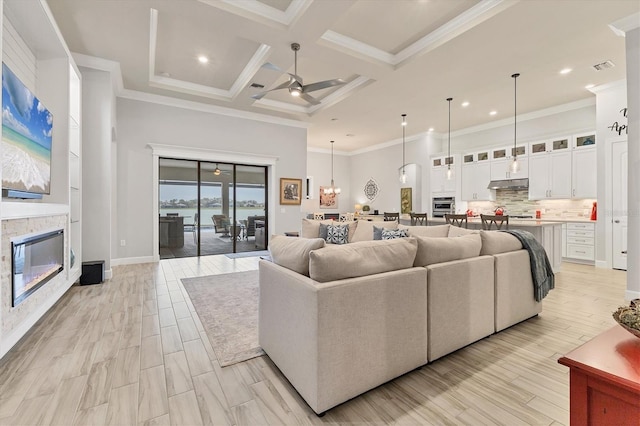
96, 170
141, 123
319, 168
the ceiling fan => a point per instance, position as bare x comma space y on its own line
295, 85
217, 171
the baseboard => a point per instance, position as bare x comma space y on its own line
132, 260
602, 264
108, 274
630, 295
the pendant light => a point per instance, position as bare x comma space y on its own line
514, 167
217, 171
403, 176
332, 189
447, 160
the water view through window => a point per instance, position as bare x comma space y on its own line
210, 208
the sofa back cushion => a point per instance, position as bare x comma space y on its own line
456, 231
437, 250
496, 242
293, 253
364, 230
361, 258
427, 231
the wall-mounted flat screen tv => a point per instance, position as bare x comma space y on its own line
26, 138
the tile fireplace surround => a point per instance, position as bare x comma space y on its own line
15, 322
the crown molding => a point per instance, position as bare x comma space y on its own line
263, 13
100, 64
608, 86
622, 26
331, 99
470, 18
175, 151
211, 109
250, 69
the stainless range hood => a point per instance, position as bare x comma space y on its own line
509, 184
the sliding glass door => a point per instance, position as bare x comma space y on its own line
221, 208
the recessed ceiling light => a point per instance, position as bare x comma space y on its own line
203, 59
465, 104
431, 129
334, 119
350, 135
565, 71
589, 86
493, 112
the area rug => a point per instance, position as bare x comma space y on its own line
228, 309
247, 254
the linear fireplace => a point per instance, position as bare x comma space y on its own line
35, 260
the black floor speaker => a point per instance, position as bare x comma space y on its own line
92, 272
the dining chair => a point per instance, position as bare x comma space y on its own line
347, 217
318, 216
489, 221
459, 220
418, 219
391, 217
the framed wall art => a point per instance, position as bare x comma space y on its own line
290, 191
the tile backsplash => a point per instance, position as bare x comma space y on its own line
516, 202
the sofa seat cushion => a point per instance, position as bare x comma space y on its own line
439, 250
496, 242
293, 253
361, 258
364, 230
427, 231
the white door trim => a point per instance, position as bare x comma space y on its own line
605, 213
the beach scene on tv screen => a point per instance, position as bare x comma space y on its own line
26, 138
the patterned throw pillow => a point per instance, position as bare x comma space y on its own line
337, 234
390, 234
377, 232
324, 229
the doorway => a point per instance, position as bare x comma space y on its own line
208, 208
619, 167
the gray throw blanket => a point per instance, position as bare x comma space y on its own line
541, 271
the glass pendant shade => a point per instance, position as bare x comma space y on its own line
332, 189
403, 178
514, 167
450, 172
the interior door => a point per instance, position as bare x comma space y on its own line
619, 200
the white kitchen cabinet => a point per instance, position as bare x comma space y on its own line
584, 165
440, 185
550, 170
581, 242
564, 240
501, 159
475, 176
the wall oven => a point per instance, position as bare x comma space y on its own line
443, 205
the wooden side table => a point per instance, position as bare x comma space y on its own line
605, 380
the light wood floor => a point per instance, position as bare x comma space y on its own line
132, 351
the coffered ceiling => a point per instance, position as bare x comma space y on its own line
396, 56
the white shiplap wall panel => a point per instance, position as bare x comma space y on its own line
17, 55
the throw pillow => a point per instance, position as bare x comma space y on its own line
361, 258
337, 234
438, 250
311, 228
392, 234
364, 230
293, 253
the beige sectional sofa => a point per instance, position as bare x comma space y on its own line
339, 320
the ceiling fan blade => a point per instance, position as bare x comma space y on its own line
323, 85
309, 98
282, 86
272, 67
